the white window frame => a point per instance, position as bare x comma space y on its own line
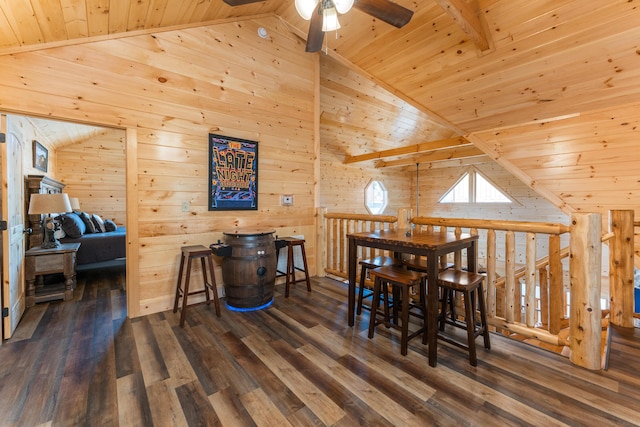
471, 173
385, 197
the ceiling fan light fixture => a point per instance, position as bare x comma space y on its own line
306, 8
330, 19
343, 6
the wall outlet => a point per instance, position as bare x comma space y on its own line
186, 206
287, 200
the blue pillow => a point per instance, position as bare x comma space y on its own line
73, 226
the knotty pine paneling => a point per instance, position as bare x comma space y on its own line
26, 133
94, 171
174, 88
588, 163
357, 117
435, 182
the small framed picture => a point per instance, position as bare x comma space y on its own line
40, 156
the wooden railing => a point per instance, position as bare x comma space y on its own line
337, 226
527, 292
528, 298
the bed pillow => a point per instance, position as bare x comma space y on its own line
98, 222
73, 226
110, 225
86, 218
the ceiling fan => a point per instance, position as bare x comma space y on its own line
324, 15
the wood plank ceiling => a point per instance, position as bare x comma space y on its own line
549, 88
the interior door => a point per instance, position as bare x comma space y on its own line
13, 285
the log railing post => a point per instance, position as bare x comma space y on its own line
530, 281
585, 272
404, 218
321, 238
512, 308
621, 268
556, 286
491, 273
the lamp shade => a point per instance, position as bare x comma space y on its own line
330, 19
306, 8
75, 203
49, 203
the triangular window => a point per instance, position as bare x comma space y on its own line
473, 187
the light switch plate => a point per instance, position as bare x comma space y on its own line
287, 200
186, 206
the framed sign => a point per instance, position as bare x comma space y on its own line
233, 173
40, 156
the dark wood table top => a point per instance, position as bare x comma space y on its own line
415, 238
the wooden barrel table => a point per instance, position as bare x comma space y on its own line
249, 272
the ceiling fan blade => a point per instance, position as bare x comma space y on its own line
316, 35
240, 2
385, 10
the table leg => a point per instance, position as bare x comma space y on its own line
472, 258
432, 308
31, 292
352, 282
69, 286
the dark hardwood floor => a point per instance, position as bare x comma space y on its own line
82, 362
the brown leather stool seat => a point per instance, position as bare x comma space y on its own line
189, 253
470, 285
401, 281
290, 274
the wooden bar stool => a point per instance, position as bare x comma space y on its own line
470, 285
401, 280
417, 263
367, 265
290, 274
189, 253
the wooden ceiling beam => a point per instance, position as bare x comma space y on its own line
467, 19
441, 144
434, 156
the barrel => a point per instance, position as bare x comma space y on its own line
249, 273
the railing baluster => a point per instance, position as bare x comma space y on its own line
556, 287
513, 302
530, 281
491, 273
544, 297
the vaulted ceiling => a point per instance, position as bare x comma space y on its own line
547, 88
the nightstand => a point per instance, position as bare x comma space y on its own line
40, 262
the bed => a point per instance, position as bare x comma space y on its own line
102, 242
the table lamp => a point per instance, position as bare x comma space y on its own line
75, 204
47, 204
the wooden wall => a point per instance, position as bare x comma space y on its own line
94, 171
578, 167
435, 180
358, 117
171, 90
26, 133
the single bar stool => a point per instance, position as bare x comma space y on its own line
470, 285
189, 253
401, 280
290, 274
368, 265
